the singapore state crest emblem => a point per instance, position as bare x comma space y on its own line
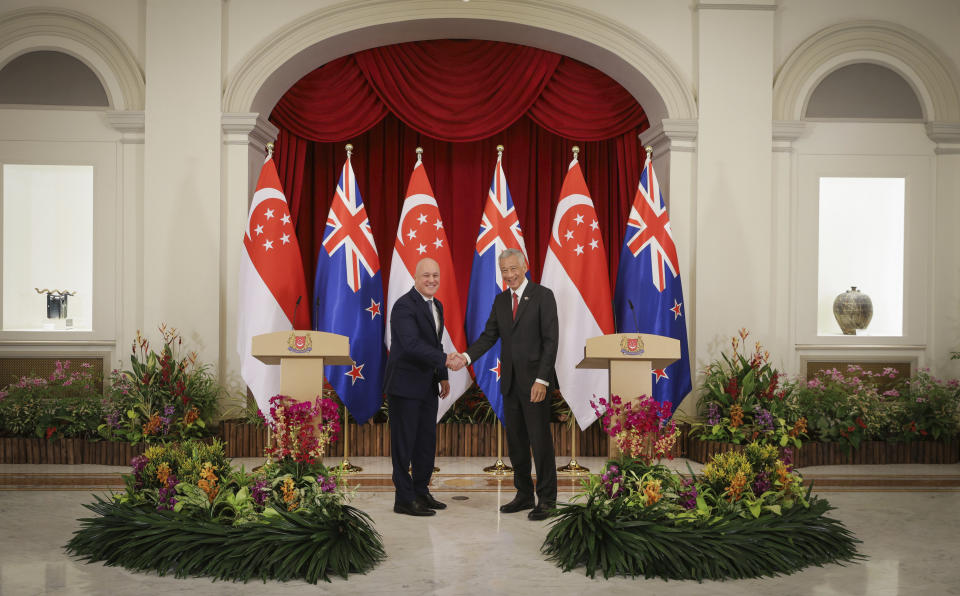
631, 346
299, 344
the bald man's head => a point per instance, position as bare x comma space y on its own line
426, 277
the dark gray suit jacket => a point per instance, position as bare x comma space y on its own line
529, 348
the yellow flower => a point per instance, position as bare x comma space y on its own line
289, 494
163, 472
784, 476
651, 490
208, 481
736, 486
736, 416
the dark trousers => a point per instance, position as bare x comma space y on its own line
528, 425
413, 442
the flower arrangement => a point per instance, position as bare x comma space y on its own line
855, 404
66, 403
163, 396
302, 430
196, 515
641, 429
743, 400
746, 515
928, 407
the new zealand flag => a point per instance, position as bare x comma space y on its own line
499, 230
649, 296
349, 298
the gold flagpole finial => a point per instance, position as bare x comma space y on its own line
419, 154
349, 149
270, 149
576, 151
649, 150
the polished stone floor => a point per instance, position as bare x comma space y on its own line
907, 516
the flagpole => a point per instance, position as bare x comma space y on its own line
345, 465
573, 468
269, 147
499, 468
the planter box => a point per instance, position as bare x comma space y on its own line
832, 454
453, 440
20, 450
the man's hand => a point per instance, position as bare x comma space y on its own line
455, 361
444, 389
538, 392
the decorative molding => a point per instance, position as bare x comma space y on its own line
946, 135
785, 132
672, 134
248, 128
279, 48
906, 52
770, 5
85, 38
129, 124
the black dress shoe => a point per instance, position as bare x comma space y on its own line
427, 501
413, 508
540, 512
517, 504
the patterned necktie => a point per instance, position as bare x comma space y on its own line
514, 306
433, 315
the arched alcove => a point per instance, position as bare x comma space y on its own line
864, 90
50, 78
86, 39
905, 52
633, 61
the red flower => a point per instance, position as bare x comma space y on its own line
732, 387
50, 431
860, 422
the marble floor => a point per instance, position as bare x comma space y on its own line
908, 518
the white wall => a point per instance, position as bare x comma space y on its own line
182, 171
732, 196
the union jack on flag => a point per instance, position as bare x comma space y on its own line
649, 295
349, 298
499, 230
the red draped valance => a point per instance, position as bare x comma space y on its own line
458, 91
458, 99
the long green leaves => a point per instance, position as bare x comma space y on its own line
614, 542
285, 547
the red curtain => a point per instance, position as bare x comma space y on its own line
458, 99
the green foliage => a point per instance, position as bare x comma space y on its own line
285, 546
616, 539
747, 515
186, 510
162, 396
65, 404
743, 401
928, 408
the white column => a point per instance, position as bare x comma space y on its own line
734, 182
944, 321
181, 211
129, 316
783, 291
244, 141
674, 144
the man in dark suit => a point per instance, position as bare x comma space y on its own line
524, 317
416, 368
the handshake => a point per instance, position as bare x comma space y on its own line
456, 361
